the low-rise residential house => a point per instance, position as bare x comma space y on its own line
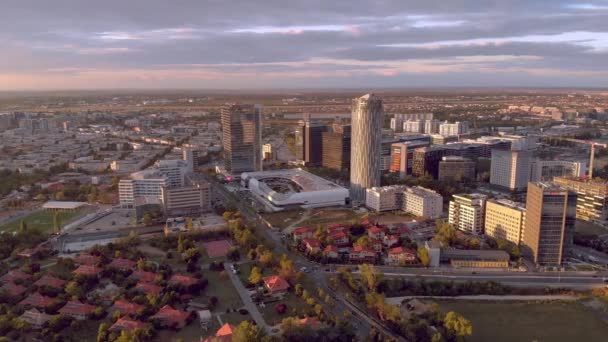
303, 233
148, 288
337, 227
12, 289
400, 256
77, 310
312, 245
340, 238
147, 277
182, 279
122, 264
50, 281
375, 232
13, 276
223, 334
127, 324
35, 318
88, 271
376, 244
276, 285
331, 252
169, 317
310, 322
126, 308
87, 259
362, 254
38, 301
390, 240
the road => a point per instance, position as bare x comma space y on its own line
246, 298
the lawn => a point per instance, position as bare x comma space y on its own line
295, 307
328, 216
283, 219
521, 321
42, 220
221, 287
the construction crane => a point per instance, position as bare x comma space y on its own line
593, 144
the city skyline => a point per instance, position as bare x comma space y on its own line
261, 45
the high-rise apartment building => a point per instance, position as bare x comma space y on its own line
385, 198
592, 199
431, 126
413, 126
367, 121
422, 202
447, 129
397, 124
510, 169
549, 227
336, 147
505, 220
414, 116
242, 138
466, 212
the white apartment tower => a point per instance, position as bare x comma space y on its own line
466, 213
510, 169
366, 139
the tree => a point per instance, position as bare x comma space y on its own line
255, 277
446, 234
287, 267
74, 289
233, 254
181, 245
22, 227
247, 332
147, 219
423, 256
266, 258
189, 224
191, 255
363, 241
370, 276
457, 326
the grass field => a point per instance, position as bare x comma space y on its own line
519, 321
42, 220
327, 216
283, 219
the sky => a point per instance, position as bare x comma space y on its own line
285, 44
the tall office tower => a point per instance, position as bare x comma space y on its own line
336, 147
242, 138
510, 169
549, 227
505, 220
313, 142
466, 212
299, 140
402, 154
366, 140
431, 126
592, 199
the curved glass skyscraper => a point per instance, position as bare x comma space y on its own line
366, 140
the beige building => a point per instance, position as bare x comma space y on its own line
384, 198
466, 212
422, 202
592, 200
505, 220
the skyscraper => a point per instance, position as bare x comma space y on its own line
510, 169
242, 138
313, 142
336, 147
366, 126
549, 227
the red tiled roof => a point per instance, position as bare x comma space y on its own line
37, 300
302, 230
275, 283
149, 288
126, 307
76, 308
182, 279
375, 230
313, 243
338, 235
51, 281
226, 330
13, 289
309, 322
127, 324
144, 276
13, 275
400, 250
359, 249
87, 270
122, 264
87, 259
331, 248
171, 315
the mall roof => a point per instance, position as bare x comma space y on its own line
63, 205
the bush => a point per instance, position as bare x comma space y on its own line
281, 308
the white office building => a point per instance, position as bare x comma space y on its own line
546, 170
422, 202
413, 126
510, 169
467, 211
175, 170
145, 183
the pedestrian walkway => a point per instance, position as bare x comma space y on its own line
246, 298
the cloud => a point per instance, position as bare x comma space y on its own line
207, 43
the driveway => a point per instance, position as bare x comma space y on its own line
246, 298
